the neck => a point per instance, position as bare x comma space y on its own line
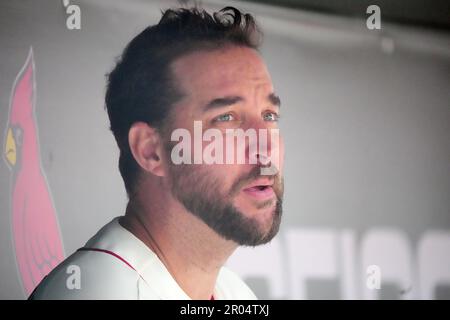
192, 252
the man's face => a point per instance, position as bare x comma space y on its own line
229, 89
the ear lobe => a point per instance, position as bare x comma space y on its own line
145, 145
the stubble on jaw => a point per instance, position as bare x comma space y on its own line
202, 195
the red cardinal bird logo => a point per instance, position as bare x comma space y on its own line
37, 241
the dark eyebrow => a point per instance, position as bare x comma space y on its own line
228, 101
222, 102
274, 99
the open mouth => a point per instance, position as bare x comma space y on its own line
260, 190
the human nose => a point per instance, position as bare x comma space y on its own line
265, 150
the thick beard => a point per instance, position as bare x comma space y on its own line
202, 196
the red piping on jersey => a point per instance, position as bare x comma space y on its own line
108, 252
118, 257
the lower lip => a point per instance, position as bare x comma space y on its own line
264, 194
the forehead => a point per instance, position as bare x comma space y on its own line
203, 74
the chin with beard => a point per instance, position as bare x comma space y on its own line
202, 195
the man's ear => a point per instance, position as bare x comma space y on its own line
146, 147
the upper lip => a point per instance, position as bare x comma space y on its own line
260, 182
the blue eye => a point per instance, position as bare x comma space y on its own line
224, 118
271, 116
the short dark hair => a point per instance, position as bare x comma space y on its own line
141, 86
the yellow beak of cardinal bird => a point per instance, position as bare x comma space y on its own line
37, 241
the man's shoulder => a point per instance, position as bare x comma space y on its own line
231, 286
90, 275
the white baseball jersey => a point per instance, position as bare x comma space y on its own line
114, 264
